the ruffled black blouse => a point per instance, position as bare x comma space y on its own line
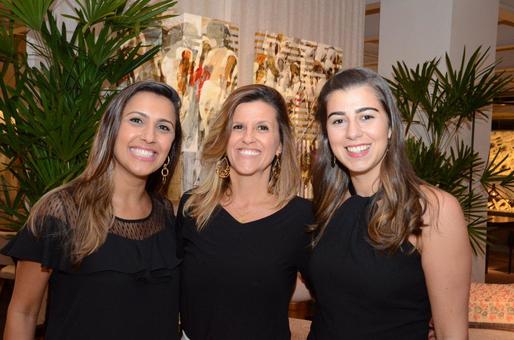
127, 289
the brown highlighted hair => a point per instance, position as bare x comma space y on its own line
398, 206
205, 198
92, 190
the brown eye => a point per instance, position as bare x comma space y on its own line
136, 120
338, 121
164, 128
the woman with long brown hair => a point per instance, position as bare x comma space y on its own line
105, 243
243, 227
390, 251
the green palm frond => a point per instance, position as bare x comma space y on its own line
30, 13
439, 101
52, 111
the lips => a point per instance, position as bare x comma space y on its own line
358, 150
249, 152
143, 153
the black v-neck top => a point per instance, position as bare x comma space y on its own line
363, 293
237, 278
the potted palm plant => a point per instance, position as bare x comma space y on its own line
51, 112
435, 106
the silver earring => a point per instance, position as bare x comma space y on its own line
164, 171
333, 161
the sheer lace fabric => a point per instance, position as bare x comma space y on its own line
64, 209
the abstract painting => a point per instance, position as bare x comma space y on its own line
298, 69
198, 58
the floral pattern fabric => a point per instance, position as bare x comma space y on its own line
491, 306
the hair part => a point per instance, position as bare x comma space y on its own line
206, 197
92, 190
399, 204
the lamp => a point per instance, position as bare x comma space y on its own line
493, 194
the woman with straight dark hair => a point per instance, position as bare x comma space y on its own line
390, 251
105, 243
243, 227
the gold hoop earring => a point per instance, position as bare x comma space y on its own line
223, 168
164, 171
275, 172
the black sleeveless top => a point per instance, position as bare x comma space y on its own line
363, 293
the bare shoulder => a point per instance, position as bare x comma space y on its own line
444, 219
442, 206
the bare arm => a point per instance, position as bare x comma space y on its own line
301, 293
29, 288
446, 260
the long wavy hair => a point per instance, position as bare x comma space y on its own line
398, 206
92, 190
206, 197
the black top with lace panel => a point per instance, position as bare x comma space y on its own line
127, 289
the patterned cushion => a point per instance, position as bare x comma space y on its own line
299, 328
491, 306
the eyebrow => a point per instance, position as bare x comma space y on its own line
359, 110
146, 116
259, 122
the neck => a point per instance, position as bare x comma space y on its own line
364, 186
249, 189
132, 188
129, 198
129, 194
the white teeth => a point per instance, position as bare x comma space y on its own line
247, 152
357, 149
142, 152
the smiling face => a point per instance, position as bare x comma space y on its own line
358, 131
145, 136
254, 140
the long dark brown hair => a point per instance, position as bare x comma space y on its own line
92, 190
207, 195
398, 206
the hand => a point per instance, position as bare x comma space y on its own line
431, 330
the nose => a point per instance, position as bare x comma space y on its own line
148, 134
249, 136
353, 130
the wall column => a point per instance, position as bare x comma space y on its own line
415, 31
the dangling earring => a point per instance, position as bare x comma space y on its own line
388, 145
333, 161
275, 172
222, 167
164, 171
